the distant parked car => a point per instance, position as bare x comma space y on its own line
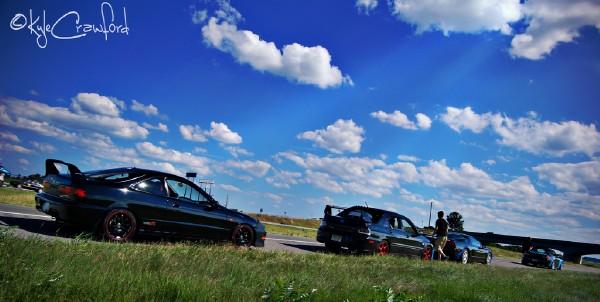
544, 257
121, 203
465, 248
32, 185
370, 230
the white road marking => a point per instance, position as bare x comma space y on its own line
298, 241
26, 215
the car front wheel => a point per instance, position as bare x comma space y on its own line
119, 225
488, 259
243, 235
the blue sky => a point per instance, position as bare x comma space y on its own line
490, 110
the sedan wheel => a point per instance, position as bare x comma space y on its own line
427, 253
119, 225
488, 259
383, 248
464, 259
243, 235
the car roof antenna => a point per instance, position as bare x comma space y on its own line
366, 204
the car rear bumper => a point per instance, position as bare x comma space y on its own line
68, 211
353, 241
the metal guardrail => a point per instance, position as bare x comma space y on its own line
289, 226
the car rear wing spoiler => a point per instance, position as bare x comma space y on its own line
329, 207
51, 168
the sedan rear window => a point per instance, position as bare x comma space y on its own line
113, 177
153, 186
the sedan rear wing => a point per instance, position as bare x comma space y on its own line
329, 207
51, 168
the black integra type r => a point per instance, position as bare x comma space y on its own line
370, 230
124, 202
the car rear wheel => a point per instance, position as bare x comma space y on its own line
383, 248
427, 253
119, 225
464, 258
243, 235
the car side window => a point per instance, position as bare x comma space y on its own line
178, 189
394, 224
152, 185
406, 226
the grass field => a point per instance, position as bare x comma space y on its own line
303, 222
283, 230
16, 196
35, 270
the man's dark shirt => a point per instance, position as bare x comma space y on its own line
441, 227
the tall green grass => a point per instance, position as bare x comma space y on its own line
17, 196
80, 270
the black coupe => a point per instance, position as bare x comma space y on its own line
124, 202
370, 230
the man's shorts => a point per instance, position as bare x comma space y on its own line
440, 242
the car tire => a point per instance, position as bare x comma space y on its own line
119, 225
464, 257
488, 259
383, 248
333, 248
243, 235
427, 253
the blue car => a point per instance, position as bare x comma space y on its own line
544, 257
465, 249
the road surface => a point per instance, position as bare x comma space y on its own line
30, 222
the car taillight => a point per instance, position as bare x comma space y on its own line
71, 192
80, 193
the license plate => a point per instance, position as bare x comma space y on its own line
336, 238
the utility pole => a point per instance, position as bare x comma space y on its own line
430, 207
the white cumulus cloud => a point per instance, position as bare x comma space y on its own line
470, 16
218, 131
339, 137
98, 104
302, 64
582, 177
366, 5
400, 119
528, 133
552, 22
148, 110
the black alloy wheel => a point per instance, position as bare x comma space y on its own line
119, 225
243, 235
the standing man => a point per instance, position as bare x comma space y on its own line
441, 230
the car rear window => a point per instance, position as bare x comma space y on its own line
113, 177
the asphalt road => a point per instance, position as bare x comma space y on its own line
30, 222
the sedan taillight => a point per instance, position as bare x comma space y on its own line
72, 193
